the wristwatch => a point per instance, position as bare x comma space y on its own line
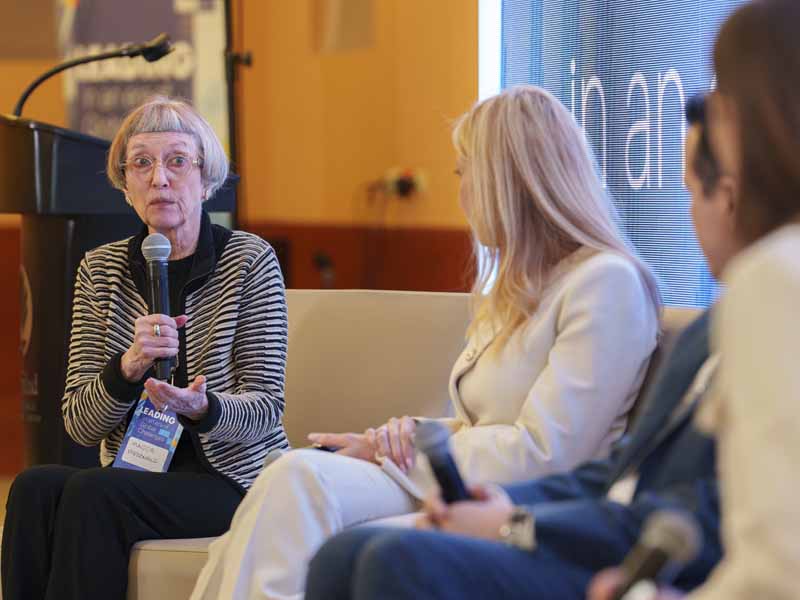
519, 531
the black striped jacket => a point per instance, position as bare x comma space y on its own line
235, 336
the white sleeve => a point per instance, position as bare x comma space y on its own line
606, 332
758, 332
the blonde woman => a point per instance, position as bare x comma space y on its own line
565, 320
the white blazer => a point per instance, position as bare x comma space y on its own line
558, 393
755, 416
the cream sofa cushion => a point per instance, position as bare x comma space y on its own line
166, 568
357, 358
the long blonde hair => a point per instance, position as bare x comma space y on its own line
536, 197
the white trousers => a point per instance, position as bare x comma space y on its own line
295, 504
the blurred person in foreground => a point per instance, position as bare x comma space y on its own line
755, 413
68, 532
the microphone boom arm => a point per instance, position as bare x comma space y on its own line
152, 49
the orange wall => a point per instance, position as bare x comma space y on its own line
45, 104
315, 127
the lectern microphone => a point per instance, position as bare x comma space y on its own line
151, 51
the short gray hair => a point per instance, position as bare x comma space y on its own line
160, 113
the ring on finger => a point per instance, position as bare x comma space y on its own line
157, 330
384, 445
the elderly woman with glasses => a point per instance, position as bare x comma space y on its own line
68, 532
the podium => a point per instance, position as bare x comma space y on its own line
55, 178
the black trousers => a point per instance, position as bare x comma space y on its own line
69, 532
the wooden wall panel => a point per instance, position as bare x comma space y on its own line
372, 258
433, 260
12, 438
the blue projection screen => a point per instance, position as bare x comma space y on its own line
625, 69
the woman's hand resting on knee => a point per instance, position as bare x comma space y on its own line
394, 440
355, 445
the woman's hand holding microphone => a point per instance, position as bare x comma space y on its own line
156, 336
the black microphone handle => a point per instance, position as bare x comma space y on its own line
446, 472
642, 564
158, 288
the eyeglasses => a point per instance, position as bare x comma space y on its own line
177, 165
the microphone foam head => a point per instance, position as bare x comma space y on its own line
157, 48
156, 247
675, 533
430, 435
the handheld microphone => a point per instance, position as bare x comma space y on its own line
432, 438
669, 539
156, 249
